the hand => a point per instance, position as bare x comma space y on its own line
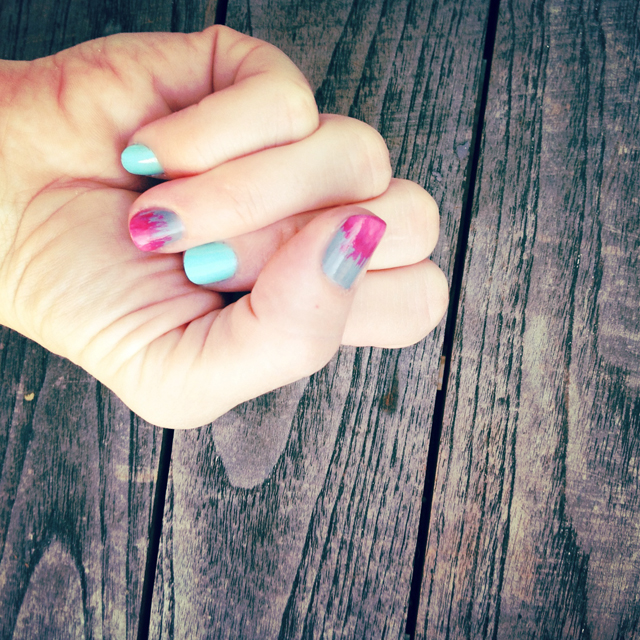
233, 123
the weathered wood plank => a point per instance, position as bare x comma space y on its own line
535, 530
77, 469
36, 28
77, 481
323, 545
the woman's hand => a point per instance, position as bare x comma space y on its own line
253, 170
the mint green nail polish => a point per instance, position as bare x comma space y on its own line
210, 263
140, 160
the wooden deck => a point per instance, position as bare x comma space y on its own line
515, 489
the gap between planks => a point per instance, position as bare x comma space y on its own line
452, 316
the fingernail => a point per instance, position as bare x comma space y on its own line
140, 160
351, 248
151, 229
210, 263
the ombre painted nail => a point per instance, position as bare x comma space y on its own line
140, 160
152, 229
210, 263
351, 248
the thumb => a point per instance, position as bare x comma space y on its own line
292, 323
288, 327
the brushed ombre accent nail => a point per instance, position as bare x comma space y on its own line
210, 263
351, 247
140, 161
152, 229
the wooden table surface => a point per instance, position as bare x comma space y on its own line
363, 502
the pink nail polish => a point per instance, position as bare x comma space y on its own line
351, 248
152, 229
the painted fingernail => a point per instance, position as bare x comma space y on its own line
140, 160
351, 248
210, 263
151, 229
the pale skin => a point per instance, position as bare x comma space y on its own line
247, 160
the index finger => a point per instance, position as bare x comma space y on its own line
230, 95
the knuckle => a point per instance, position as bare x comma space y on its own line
295, 108
429, 302
425, 218
301, 109
422, 202
436, 298
371, 158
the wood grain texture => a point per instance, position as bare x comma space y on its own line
78, 473
323, 544
535, 530
77, 469
36, 28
